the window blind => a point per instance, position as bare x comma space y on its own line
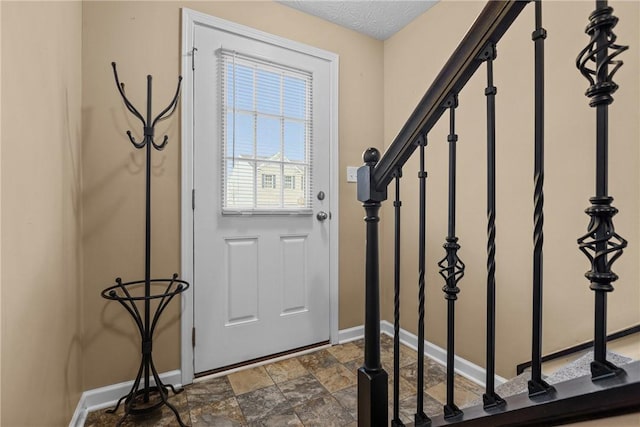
267, 135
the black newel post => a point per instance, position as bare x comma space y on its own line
601, 244
372, 379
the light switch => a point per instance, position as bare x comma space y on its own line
352, 174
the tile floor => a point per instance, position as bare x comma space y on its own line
316, 389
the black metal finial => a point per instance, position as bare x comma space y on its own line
371, 156
600, 53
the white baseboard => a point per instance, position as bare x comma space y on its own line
467, 369
103, 397
351, 334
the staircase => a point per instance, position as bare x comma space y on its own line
599, 384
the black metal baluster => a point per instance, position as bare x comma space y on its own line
396, 422
490, 398
451, 266
602, 245
536, 384
372, 378
421, 419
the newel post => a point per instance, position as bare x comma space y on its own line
372, 379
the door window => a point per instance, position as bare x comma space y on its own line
266, 135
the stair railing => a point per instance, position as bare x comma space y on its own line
598, 63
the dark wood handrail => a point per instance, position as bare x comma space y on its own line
491, 24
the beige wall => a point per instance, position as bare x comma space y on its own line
53, 273
413, 57
41, 274
143, 38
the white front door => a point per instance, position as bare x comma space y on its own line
261, 163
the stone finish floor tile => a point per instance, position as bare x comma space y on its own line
324, 411
407, 388
213, 390
287, 418
348, 398
249, 380
315, 389
353, 366
346, 352
335, 377
465, 391
225, 413
285, 370
317, 360
407, 356
433, 373
302, 389
263, 402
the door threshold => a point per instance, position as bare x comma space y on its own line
260, 361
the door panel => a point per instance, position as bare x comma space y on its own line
261, 279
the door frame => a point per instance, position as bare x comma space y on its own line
190, 20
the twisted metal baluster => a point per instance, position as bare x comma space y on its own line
421, 419
536, 384
601, 240
490, 398
396, 422
451, 266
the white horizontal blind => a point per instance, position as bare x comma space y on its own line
266, 136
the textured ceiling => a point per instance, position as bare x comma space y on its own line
379, 19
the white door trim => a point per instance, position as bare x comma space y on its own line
191, 19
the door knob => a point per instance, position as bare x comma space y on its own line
322, 216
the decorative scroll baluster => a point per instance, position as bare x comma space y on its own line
396, 422
490, 398
421, 419
601, 244
451, 266
372, 379
536, 384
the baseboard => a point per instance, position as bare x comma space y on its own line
467, 369
351, 334
103, 397
80, 414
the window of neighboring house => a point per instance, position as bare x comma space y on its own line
289, 182
268, 181
266, 134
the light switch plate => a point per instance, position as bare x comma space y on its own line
352, 174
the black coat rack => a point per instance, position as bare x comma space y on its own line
143, 399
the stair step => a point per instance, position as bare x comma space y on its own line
578, 368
